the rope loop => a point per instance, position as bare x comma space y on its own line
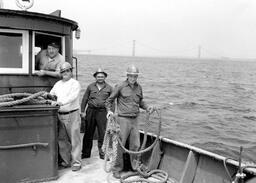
112, 140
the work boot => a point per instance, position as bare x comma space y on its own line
117, 175
85, 156
64, 165
76, 167
102, 155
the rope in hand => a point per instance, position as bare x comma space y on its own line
110, 143
109, 147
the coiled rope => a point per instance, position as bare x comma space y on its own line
110, 143
112, 139
9, 100
159, 176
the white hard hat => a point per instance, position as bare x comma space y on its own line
132, 70
65, 66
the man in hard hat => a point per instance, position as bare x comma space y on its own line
129, 99
95, 116
48, 61
67, 91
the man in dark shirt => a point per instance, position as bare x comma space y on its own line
129, 99
95, 115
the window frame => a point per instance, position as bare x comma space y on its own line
33, 47
25, 53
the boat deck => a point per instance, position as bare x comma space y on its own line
92, 170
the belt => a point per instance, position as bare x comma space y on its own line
132, 117
97, 108
65, 113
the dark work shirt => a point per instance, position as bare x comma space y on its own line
94, 97
129, 99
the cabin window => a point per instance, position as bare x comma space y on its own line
13, 51
41, 41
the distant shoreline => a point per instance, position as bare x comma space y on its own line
170, 58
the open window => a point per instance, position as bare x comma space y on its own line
13, 51
41, 41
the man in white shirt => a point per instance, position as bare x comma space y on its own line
67, 91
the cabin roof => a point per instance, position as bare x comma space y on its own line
37, 16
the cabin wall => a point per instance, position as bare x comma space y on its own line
69, 48
19, 129
12, 83
25, 83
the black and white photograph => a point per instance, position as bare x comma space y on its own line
129, 91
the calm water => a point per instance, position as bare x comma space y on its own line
214, 102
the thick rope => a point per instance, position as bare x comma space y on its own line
110, 150
6, 99
28, 97
10, 95
110, 143
160, 176
144, 141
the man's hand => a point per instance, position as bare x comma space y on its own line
40, 73
55, 103
83, 114
150, 109
110, 114
45, 95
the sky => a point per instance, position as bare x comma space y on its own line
176, 28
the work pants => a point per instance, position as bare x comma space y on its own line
69, 140
128, 128
95, 117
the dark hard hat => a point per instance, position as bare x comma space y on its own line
100, 70
55, 45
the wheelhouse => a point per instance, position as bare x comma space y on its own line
22, 35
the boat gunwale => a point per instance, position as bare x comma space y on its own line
203, 152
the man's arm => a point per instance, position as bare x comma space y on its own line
113, 105
144, 105
111, 98
38, 60
55, 74
85, 99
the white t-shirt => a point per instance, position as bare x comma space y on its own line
67, 93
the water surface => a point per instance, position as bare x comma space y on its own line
214, 101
